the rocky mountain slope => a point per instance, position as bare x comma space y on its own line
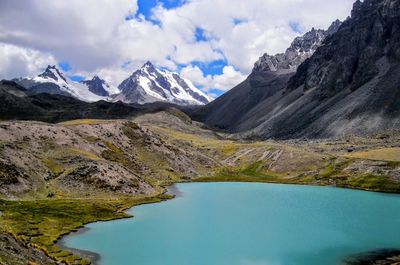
100, 87
349, 85
300, 49
241, 108
146, 85
149, 84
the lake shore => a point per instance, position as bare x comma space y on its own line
378, 257
92, 256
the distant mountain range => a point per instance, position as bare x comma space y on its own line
345, 80
18, 103
145, 85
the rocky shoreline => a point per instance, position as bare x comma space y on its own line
376, 257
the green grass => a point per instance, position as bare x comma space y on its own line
40, 223
372, 183
335, 168
332, 175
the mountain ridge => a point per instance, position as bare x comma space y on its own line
239, 109
146, 85
349, 85
301, 48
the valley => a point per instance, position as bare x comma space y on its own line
58, 177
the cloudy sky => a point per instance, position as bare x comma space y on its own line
214, 43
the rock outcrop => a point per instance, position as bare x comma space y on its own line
241, 108
301, 48
350, 84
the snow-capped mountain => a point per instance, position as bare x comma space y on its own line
301, 48
100, 87
145, 85
149, 84
53, 81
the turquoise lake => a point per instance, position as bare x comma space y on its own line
248, 224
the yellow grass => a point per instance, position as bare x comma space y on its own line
84, 122
385, 154
84, 153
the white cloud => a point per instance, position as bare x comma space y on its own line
94, 37
229, 78
16, 61
194, 74
81, 32
225, 81
163, 45
266, 26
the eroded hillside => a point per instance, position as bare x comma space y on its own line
57, 177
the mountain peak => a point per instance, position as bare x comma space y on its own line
51, 67
148, 64
97, 86
300, 49
96, 78
149, 84
52, 72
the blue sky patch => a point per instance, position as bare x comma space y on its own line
77, 78
295, 26
238, 21
216, 92
65, 66
145, 7
126, 64
212, 68
200, 34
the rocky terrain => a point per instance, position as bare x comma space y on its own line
13, 251
87, 157
99, 87
300, 49
76, 166
242, 107
350, 85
